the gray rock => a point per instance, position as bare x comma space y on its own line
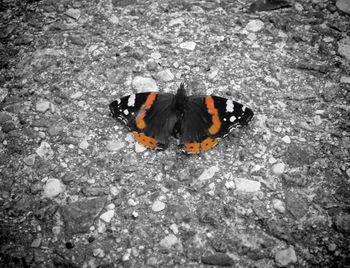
170, 241
158, 206
278, 169
220, 259
73, 13
254, 26
144, 84
114, 146
344, 47
3, 93
4, 117
165, 75
296, 204
343, 5
285, 257
42, 106
107, 216
342, 222
208, 173
188, 45
29, 160
248, 186
53, 188
80, 215
45, 151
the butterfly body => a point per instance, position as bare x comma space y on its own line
197, 121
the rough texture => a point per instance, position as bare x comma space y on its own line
275, 193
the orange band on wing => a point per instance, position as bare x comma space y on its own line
192, 148
140, 123
208, 143
215, 127
145, 140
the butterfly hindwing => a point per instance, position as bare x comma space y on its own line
148, 115
207, 118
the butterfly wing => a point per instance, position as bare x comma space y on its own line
207, 118
149, 115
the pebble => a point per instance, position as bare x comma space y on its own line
152, 65
73, 13
317, 120
152, 261
42, 106
245, 185
190, 45
114, 146
4, 117
98, 252
285, 257
29, 160
139, 148
169, 241
220, 259
158, 206
144, 84
332, 247
126, 256
131, 202
279, 205
156, 55
36, 242
278, 168
176, 21
165, 75
208, 173
272, 160
110, 206
53, 188
173, 227
3, 93
114, 191
84, 145
230, 184
107, 216
342, 222
343, 5
113, 19
344, 47
76, 95
298, 7
345, 79
54, 130
45, 151
286, 139
254, 25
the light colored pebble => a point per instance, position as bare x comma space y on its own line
254, 25
42, 106
158, 206
279, 205
52, 188
114, 146
190, 45
278, 168
286, 139
285, 257
107, 216
208, 173
248, 186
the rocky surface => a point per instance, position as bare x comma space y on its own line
75, 191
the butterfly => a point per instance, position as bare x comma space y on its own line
197, 121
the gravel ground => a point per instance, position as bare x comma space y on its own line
77, 191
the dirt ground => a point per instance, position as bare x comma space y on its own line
76, 190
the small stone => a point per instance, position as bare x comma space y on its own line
3, 93
317, 120
173, 227
42, 106
7, 127
176, 21
107, 216
73, 13
165, 75
139, 148
76, 95
113, 19
254, 25
345, 79
272, 160
144, 84
278, 168
84, 145
114, 191
343, 5
188, 45
29, 160
158, 206
208, 173
342, 222
53, 188
344, 47
54, 130
137, 54
152, 65
332, 247
45, 151
156, 55
298, 7
152, 261
286, 139
285, 257
4, 117
110, 206
230, 184
114, 146
348, 172
279, 205
36, 242
169, 241
126, 256
98, 252
245, 185
131, 202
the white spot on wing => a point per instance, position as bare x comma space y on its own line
243, 108
131, 100
118, 101
229, 106
232, 118
126, 112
